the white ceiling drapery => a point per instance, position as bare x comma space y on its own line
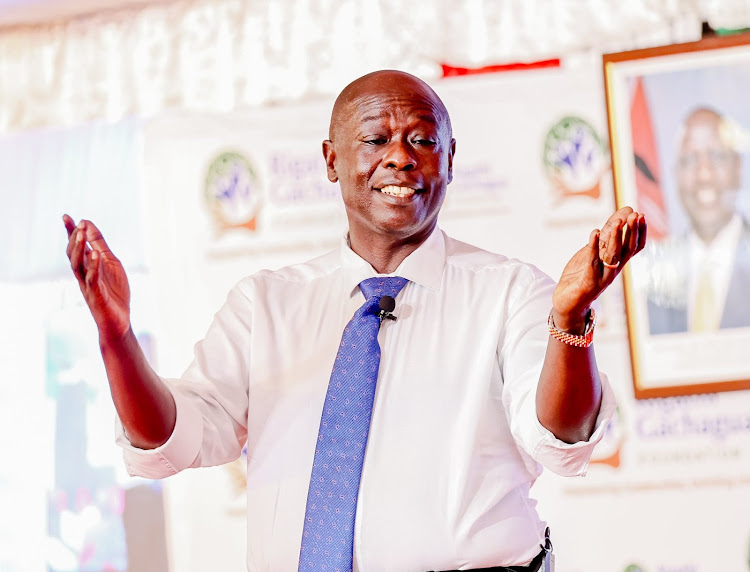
220, 55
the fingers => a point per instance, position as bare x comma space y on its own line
618, 217
69, 223
594, 238
623, 236
635, 236
642, 232
94, 236
629, 237
84, 258
92, 272
610, 242
70, 227
593, 246
76, 246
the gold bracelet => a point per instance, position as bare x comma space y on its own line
582, 341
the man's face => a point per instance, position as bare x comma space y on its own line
708, 175
392, 152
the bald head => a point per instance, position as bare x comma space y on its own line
708, 172
386, 83
705, 117
391, 151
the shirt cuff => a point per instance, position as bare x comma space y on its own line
178, 453
572, 459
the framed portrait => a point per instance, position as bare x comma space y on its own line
679, 124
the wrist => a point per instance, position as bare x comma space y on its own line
579, 336
113, 338
572, 322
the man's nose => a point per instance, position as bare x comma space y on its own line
398, 155
705, 168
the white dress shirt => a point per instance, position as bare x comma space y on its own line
454, 443
717, 259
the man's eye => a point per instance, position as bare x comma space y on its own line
375, 141
424, 142
719, 157
688, 161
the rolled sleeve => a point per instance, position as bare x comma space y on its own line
211, 399
178, 453
523, 352
572, 459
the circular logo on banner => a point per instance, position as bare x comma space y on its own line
575, 158
233, 192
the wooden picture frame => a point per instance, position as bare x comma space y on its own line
679, 125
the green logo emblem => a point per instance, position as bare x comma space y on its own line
232, 192
575, 158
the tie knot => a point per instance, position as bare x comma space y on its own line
380, 286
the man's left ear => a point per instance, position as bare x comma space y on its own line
330, 156
450, 160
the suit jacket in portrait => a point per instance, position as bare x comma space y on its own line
668, 287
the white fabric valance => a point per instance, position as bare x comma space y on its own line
222, 55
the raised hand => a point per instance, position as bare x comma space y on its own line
143, 402
101, 277
596, 265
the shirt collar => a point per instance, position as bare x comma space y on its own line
424, 266
723, 245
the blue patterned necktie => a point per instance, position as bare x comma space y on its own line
328, 533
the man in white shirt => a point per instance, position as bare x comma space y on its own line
699, 282
474, 389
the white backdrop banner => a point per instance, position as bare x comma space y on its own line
231, 194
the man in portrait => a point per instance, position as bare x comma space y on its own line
699, 281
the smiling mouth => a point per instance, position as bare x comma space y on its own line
396, 191
707, 197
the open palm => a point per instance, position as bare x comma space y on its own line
597, 264
101, 277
